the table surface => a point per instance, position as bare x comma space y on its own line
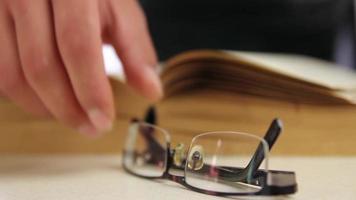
101, 177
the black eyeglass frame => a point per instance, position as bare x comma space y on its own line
273, 182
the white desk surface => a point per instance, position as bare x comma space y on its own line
101, 177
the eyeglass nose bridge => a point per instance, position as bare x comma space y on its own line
180, 154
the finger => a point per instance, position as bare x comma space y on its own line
79, 41
42, 65
129, 33
13, 84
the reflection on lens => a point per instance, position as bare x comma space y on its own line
146, 150
220, 162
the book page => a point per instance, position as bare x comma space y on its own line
315, 71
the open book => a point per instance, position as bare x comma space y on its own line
211, 90
286, 77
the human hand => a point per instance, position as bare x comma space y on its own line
51, 61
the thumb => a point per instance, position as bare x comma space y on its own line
129, 35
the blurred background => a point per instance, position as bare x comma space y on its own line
319, 28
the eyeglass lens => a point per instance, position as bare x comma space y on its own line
146, 150
221, 162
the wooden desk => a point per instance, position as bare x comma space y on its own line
101, 177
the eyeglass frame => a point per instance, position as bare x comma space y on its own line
274, 182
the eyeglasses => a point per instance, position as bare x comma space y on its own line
219, 163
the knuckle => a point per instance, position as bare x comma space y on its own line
74, 45
66, 30
36, 66
21, 6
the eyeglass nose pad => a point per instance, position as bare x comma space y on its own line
196, 158
179, 154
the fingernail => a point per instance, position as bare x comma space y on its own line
156, 83
87, 129
101, 121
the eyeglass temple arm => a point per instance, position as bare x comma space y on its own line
271, 137
153, 145
150, 116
